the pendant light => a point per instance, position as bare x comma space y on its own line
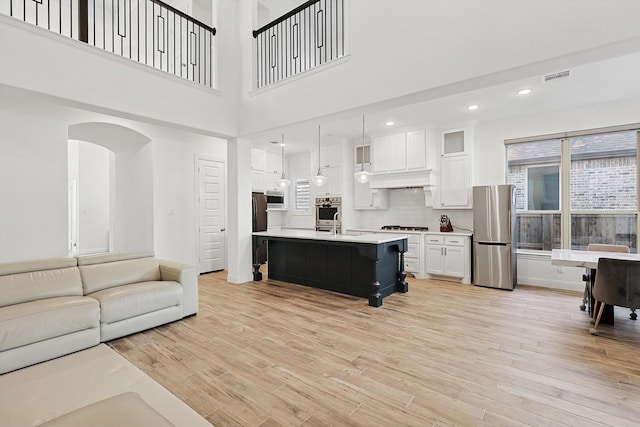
362, 175
319, 179
283, 182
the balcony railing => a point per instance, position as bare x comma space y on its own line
304, 38
147, 31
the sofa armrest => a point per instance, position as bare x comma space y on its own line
187, 276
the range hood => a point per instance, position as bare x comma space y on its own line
404, 179
426, 179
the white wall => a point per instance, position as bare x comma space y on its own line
151, 178
175, 193
33, 186
408, 48
93, 198
489, 151
99, 81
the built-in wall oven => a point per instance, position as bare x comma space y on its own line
327, 212
275, 199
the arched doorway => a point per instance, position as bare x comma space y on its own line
113, 188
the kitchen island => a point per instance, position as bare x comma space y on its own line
369, 265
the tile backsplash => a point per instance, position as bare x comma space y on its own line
407, 207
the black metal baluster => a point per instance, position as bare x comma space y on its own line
281, 66
264, 59
324, 33
49, 15
113, 40
342, 4
153, 33
130, 30
138, 28
146, 47
331, 27
174, 44
181, 53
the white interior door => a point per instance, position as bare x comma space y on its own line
212, 243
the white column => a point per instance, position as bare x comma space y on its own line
239, 268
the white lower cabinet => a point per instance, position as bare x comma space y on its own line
448, 256
413, 257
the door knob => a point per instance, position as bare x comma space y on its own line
222, 229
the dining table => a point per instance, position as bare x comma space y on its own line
589, 260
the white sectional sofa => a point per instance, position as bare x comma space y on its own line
53, 307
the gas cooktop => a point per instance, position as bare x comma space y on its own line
404, 228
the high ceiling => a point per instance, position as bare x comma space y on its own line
603, 81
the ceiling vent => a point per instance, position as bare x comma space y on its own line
555, 76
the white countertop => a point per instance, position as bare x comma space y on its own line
330, 237
586, 259
374, 230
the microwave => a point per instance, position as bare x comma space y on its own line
275, 199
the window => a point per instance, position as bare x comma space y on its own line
597, 204
302, 195
604, 196
534, 170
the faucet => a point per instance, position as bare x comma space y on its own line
335, 222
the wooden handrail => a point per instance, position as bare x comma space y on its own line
283, 17
185, 16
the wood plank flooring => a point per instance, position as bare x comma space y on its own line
271, 354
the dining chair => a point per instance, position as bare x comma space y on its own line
617, 283
598, 247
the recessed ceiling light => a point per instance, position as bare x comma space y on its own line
390, 123
473, 107
524, 91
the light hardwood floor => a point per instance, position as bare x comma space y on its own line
271, 353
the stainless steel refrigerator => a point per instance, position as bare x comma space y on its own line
259, 220
494, 237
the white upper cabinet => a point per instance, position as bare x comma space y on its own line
257, 159
455, 182
398, 147
364, 197
400, 152
331, 155
381, 153
362, 155
455, 142
417, 149
404, 159
273, 163
333, 186
454, 188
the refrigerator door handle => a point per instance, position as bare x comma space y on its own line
254, 219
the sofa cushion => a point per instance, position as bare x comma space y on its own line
28, 286
96, 277
34, 321
124, 302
